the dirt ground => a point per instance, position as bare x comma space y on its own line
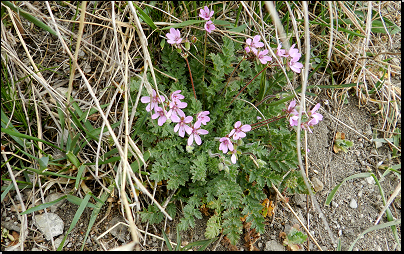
324, 164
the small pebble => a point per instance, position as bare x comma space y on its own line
317, 184
353, 204
334, 204
340, 232
360, 193
370, 180
260, 245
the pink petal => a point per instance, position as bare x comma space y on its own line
191, 139
181, 132
237, 124
176, 128
145, 99
188, 119
188, 129
202, 132
245, 128
233, 158
198, 140
162, 120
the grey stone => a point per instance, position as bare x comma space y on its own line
274, 246
53, 197
49, 224
370, 180
334, 204
119, 231
353, 204
300, 200
59, 240
260, 245
317, 184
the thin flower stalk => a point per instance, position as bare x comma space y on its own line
190, 75
231, 75
265, 122
248, 84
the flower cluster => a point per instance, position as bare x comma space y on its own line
206, 14
292, 56
176, 115
314, 117
253, 45
236, 134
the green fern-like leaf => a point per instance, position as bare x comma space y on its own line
198, 169
213, 227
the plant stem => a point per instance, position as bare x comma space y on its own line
267, 121
231, 75
190, 74
204, 56
248, 84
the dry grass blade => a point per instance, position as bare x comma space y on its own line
302, 106
23, 219
389, 201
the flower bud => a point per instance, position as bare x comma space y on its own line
261, 163
239, 142
187, 45
220, 166
227, 169
193, 39
179, 50
189, 149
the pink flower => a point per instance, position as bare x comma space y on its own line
254, 43
292, 108
281, 52
261, 55
153, 101
176, 96
295, 66
293, 120
174, 36
316, 117
182, 125
203, 117
205, 13
209, 26
239, 131
194, 134
175, 108
159, 113
294, 53
225, 144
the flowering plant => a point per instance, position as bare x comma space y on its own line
216, 143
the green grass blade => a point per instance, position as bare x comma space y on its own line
376, 227
145, 17
43, 163
43, 206
29, 17
203, 243
332, 193
185, 23
170, 248
4, 193
73, 159
95, 213
4, 121
389, 215
79, 173
76, 218
20, 135
78, 201
178, 247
